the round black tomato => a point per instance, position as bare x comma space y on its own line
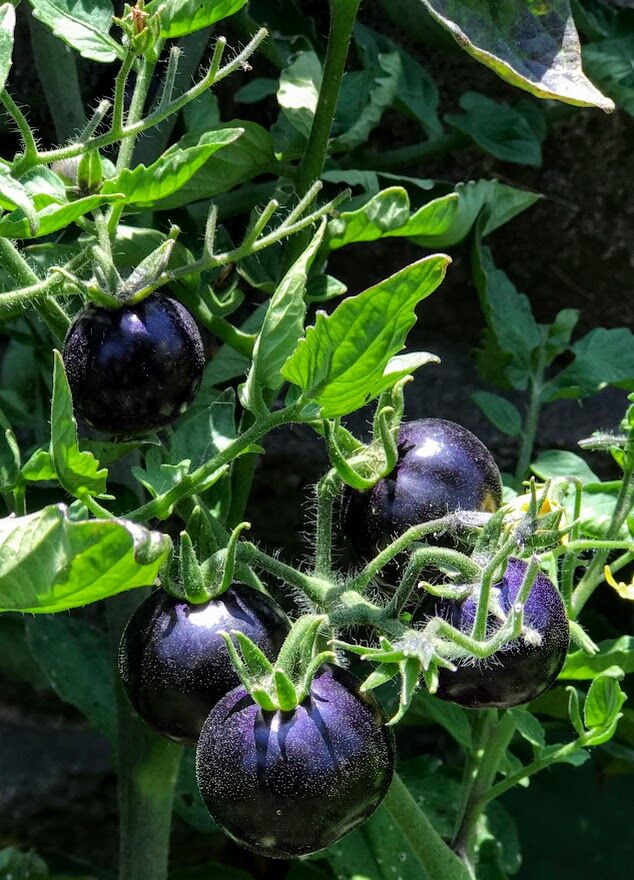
174, 664
442, 467
135, 368
289, 784
526, 666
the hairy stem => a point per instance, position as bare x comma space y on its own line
147, 770
494, 750
51, 311
594, 574
436, 858
529, 429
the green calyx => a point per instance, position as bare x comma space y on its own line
196, 581
282, 686
362, 466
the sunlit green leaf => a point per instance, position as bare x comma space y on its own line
340, 363
180, 17
83, 24
50, 563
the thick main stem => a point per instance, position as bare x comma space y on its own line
343, 14
436, 858
529, 431
148, 767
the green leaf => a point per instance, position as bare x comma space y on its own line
609, 63
365, 96
387, 210
282, 327
50, 563
51, 218
180, 17
508, 314
602, 357
340, 363
501, 412
75, 658
453, 718
560, 463
39, 468
416, 92
529, 727
83, 24
601, 711
13, 194
247, 157
145, 186
530, 45
7, 26
256, 90
298, 91
613, 652
497, 129
78, 472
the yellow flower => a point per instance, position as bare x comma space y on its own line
625, 591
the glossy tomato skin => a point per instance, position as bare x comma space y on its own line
289, 784
174, 665
135, 368
521, 671
442, 467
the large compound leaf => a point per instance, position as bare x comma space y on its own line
83, 24
180, 17
7, 26
344, 360
532, 44
50, 563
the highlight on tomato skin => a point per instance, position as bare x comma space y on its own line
135, 368
174, 665
442, 467
290, 784
525, 667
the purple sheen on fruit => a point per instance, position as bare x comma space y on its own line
525, 667
286, 784
175, 666
135, 368
441, 468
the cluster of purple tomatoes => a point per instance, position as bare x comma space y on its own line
287, 784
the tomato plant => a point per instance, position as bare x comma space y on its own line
171, 302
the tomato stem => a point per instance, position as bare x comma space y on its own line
434, 855
147, 770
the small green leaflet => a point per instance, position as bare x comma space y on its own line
602, 708
501, 412
49, 563
83, 24
602, 357
533, 48
51, 218
7, 26
341, 362
180, 17
143, 186
298, 91
614, 652
78, 472
283, 324
501, 130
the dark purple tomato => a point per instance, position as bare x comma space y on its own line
135, 368
442, 467
525, 667
288, 784
174, 664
